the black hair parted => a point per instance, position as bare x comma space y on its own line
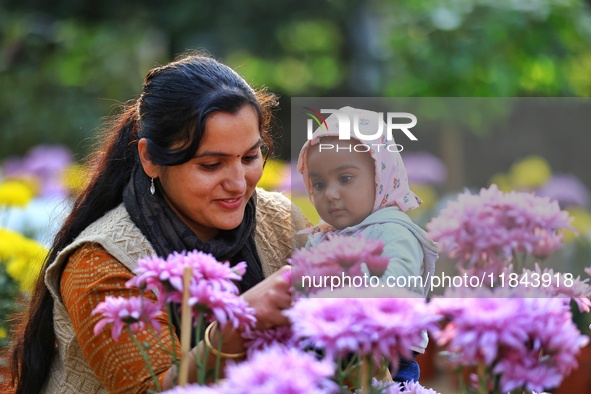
178, 98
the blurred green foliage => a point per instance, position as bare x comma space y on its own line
489, 48
65, 64
9, 292
59, 77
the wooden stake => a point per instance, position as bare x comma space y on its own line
185, 329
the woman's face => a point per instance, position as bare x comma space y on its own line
210, 191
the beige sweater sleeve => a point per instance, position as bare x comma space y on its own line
278, 221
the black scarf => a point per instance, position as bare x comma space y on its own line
167, 233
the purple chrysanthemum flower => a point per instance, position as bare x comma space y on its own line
491, 226
510, 335
424, 168
258, 340
157, 273
223, 306
194, 389
379, 327
559, 284
135, 311
416, 388
348, 251
567, 189
337, 255
480, 326
44, 163
212, 290
312, 264
304, 374
387, 322
517, 369
219, 275
332, 324
398, 388
166, 275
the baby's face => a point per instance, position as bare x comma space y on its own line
343, 182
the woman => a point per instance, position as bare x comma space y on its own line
178, 172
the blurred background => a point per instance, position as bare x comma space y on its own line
66, 64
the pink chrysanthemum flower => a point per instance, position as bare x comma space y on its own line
263, 374
494, 225
166, 275
416, 388
312, 264
135, 311
397, 388
155, 272
518, 369
510, 330
194, 389
379, 327
391, 334
258, 340
224, 306
337, 255
212, 290
560, 284
205, 267
332, 324
480, 326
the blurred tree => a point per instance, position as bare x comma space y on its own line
66, 62
482, 48
60, 76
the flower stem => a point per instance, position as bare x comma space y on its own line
482, 383
461, 382
218, 358
175, 360
144, 356
201, 363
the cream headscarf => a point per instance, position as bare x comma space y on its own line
391, 180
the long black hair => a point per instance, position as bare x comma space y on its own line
171, 111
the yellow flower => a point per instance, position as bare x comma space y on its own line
8, 240
503, 182
3, 332
305, 205
581, 223
23, 258
75, 178
531, 172
15, 193
273, 174
427, 194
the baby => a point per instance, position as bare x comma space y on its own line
360, 188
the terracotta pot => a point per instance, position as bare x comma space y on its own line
426, 362
579, 381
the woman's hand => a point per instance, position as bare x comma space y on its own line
269, 298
